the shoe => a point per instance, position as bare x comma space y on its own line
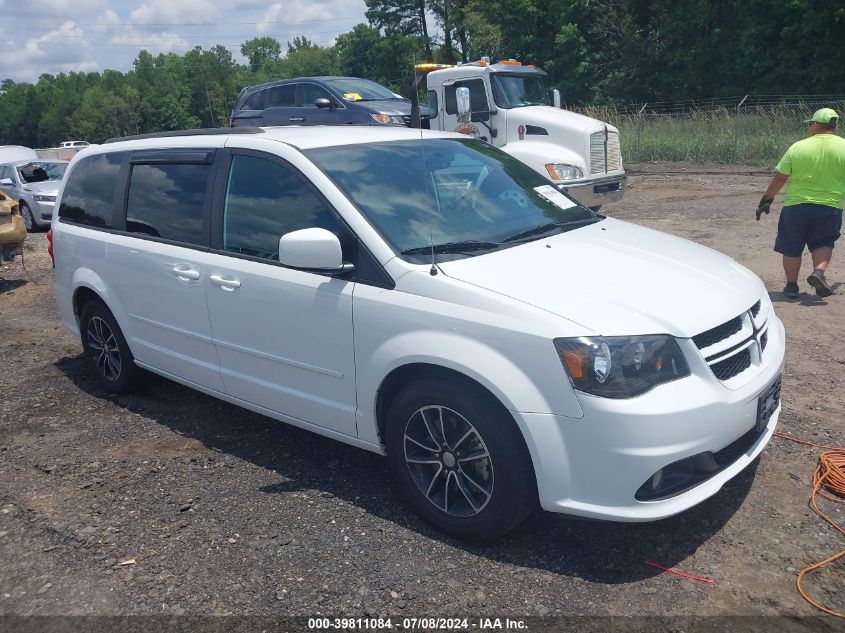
817, 281
790, 290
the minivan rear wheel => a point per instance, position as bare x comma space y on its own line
107, 351
460, 459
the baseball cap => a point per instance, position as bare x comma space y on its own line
825, 116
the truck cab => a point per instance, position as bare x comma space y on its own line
511, 110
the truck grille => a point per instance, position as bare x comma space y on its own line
734, 346
597, 152
614, 152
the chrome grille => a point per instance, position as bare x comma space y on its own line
614, 152
597, 153
598, 164
755, 309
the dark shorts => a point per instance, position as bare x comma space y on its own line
813, 225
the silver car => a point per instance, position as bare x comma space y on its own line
34, 184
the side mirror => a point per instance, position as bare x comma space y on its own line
556, 97
323, 102
464, 104
6, 182
312, 249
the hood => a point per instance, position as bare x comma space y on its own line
387, 106
46, 187
617, 278
554, 119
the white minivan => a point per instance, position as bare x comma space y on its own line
428, 297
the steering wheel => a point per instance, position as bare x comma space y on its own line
515, 196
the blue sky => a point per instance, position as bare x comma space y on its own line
53, 36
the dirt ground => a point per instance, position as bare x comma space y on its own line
172, 502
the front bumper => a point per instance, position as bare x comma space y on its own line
593, 466
598, 191
42, 211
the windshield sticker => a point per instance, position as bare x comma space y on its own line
352, 96
553, 195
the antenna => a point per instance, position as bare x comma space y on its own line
416, 121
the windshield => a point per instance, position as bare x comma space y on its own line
354, 89
462, 195
516, 91
41, 171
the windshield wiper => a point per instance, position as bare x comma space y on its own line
453, 247
547, 228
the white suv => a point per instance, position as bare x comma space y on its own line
429, 298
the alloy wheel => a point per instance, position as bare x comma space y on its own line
103, 345
448, 461
28, 220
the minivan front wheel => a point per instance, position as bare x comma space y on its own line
107, 351
460, 459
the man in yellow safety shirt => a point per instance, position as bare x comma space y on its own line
812, 209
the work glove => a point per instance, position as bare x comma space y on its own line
764, 206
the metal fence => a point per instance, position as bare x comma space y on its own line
741, 130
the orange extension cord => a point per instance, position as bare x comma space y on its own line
829, 475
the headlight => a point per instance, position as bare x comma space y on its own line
44, 198
388, 119
621, 366
564, 172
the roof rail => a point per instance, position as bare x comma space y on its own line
207, 131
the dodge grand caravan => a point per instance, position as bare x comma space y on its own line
426, 297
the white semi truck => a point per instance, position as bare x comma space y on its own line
510, 109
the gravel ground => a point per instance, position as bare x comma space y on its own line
171, 502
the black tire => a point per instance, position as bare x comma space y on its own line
106, 350
508, 474
28, 218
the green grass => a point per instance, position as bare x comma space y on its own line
758, 136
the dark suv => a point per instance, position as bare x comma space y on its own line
320, 101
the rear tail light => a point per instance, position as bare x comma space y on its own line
50, 246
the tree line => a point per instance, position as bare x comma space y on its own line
595, 51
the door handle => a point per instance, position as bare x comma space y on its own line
296, 118
186, 274
224, 282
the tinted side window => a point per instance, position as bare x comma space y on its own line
255, 101
282, 96
265, 200
310, 92
432, 103
167, 201
88, 196
477, 96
